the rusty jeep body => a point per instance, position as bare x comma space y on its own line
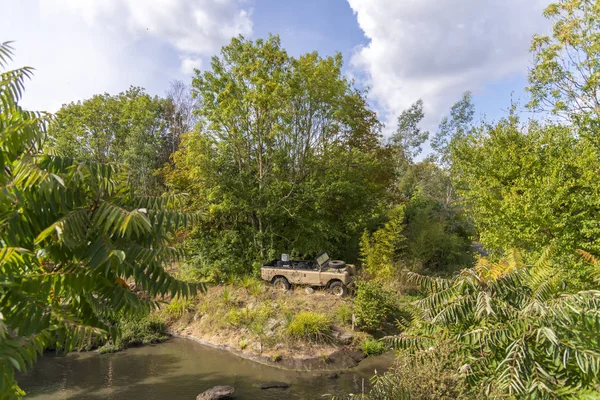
335, 275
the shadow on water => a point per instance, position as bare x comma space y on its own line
177, 369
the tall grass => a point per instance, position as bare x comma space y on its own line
310, 326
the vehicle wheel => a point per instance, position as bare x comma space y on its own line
337, 289
281, 284
337, 264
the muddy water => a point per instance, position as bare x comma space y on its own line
179, 369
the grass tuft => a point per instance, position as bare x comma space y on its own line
310, 326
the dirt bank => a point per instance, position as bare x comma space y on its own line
252, 322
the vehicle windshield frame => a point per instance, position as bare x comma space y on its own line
322, 260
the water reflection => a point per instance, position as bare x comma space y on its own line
178, 369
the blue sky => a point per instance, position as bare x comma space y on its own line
402, 50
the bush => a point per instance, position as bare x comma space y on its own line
310, 326
425, 375
134, 332
373, 305
373, 347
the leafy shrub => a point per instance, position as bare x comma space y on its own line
425, 375
373, 305
310, 326
373, 347
243, 343
516, 327
137, 331
379, 251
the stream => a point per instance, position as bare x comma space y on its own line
180, 369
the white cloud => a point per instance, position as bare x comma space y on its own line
81, 48
437, 49
188, 65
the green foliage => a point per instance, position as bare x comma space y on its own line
379, 251
227, 296
518, 330
130, 128
243, 343
137, 331
453, 129
343, 314
311, 327
408, 136
373, 305
309, 174
71, 235
252, 319
435, 233
373, 347
565, 78
530, 187
178, 307
430, 374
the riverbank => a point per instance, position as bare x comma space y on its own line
260, 324
341, 359
180, 369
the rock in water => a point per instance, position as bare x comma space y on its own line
216, 393
275, 385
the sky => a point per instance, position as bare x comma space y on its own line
401, 50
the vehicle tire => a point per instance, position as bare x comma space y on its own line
337, 264
281, 284
337, 288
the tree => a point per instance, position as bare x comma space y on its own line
530, 187
453, 129
565, 78
380, 251
129, 128
73, 237
180, 112
287, 157
408, 136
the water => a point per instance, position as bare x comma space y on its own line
179, 369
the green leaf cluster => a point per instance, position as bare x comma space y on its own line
517, 330
75, 242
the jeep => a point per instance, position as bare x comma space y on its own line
335, 275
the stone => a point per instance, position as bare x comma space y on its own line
216, 393
279, 346
274, 385
309, 290
345, 338
334, 375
